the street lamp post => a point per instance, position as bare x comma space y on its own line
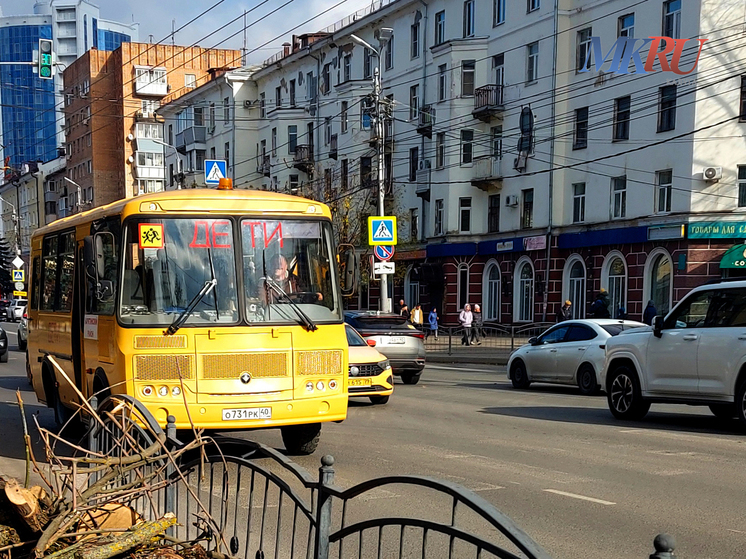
384, 36
80, 189
179, 162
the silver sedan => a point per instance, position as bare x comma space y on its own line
571, 352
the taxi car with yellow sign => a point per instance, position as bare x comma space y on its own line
369, 372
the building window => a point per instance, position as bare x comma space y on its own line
325, 79
327, 130
414, 102
617, 282
264, 149
672, 19
525, 292
619, 197
414, 224
440, 150
347, 67
414, 50
440, 28
742, 186
262, 105
667, 108
389, 58
190, 81
626, 26
413, 159
532, 66
345, 169
493, 214
367, 66
664, 188
278, 97
468, 68
660, 283
226, 111
527, 213
496, 142
293, 183
310, 87
578, 202
227, 153
274, 142
292, 138
584, 47
469, 18
443, 86
464, 218
199, 160
580, 135
463, 285
621, 117
438, 229
212, 116
491, 309
343, 117
533, 5
467, 146
498, 12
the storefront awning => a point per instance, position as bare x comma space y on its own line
735, 257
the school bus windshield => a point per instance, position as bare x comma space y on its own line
285, 265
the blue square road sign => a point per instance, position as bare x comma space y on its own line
215, 169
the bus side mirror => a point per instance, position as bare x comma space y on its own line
348, 270
100, 255
89, 257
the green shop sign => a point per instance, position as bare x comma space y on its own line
717, 230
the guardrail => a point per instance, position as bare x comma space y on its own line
493, 336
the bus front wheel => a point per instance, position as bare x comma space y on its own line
301, 439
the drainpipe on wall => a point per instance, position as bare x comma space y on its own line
316, 142
551, 160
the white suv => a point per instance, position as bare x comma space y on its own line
695, 355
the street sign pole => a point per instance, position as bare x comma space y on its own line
385, 305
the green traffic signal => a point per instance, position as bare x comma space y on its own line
45, 59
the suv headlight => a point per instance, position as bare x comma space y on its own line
384, 365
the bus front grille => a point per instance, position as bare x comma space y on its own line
164, 367
231, 365
160, 342
319, 362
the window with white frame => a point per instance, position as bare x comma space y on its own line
498, 12
525, 292
463, 285
440, 27
367, 65
532, 63
663, 187
626, 26
498, 70
617, 282
672, 19
491, 309
527, 208
149, 159
583, 49
414, 48
443, 83
532, 5
464, 215
619, 197
440, 150
576, 289
468, 69
262, 105
149, 130
578, 202
580, 132
347, 67
190, 81
414, 102
389, 57
469, 18
467, 146
439, 214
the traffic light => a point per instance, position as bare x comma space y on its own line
45, 59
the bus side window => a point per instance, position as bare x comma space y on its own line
66, 266
49, 278
93, 303
35, 279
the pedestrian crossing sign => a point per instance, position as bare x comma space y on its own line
18, 275
382, 230
215, 169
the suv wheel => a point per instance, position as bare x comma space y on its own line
625, 396
518, 375
410, 378
741, 404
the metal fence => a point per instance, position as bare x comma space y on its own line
490, 336
248, 500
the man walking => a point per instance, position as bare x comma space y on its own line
600, 307
466, 318
476, 328
565, 312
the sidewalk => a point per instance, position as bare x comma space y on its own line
472, 354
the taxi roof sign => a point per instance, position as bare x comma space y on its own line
381, 230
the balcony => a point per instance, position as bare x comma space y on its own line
426, 121
333, 147
189, 136
264, 166
303, 158
488, 102
151, 81
486, 172
423, 183
145, 172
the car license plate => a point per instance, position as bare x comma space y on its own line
359, 382
237, 414
395, 340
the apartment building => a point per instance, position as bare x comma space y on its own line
113, 137
205, 124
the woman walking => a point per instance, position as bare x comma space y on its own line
433, 320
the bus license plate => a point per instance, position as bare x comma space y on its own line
237, 414
358, 382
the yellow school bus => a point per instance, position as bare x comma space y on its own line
219, 307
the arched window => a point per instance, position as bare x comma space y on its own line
524, 291
660, 282
615, 277
411, 288
463, 285
576, 288
491, 292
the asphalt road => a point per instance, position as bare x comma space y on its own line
577, 481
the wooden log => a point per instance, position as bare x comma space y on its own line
110, 516
27, 505
143, 533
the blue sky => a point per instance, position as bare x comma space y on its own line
155, 18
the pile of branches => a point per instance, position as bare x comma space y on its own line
85, 507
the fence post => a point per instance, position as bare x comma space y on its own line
664, 546
324, 508
450, 336
170, 489
92, 425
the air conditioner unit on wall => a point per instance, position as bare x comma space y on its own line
247, 104
712, 173
511, 201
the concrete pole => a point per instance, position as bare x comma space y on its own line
385, 305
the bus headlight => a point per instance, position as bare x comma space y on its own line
332, 385
309, 386
148, 391
163, 391
320, 385
176, 391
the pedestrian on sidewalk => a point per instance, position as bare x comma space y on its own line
404, 311
466, 318
433, 320
565, 312
476, 328
417, 318
399, 306
650, 313
600, 307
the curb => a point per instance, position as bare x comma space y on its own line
498, 360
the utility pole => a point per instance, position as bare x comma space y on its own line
380, 148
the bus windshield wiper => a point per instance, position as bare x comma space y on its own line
304, 319
181, 319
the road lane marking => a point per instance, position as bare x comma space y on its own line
581, 497
442, 368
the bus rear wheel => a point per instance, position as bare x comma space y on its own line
301, 440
